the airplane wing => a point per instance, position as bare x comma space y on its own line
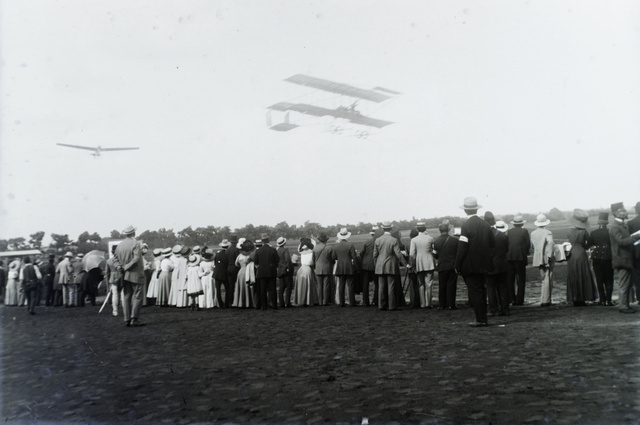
77, 146
339, 88
283, 126
118, 149
318, 111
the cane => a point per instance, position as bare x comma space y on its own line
106, 299
404, 283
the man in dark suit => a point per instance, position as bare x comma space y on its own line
519, 245
386, 255
266, 273
344, 254
445, 249
634, 226
601, 260
285, 273
232, 269
473, 260
48, 272
497, 287
221, 274
324, 269
622, 255
368, 269
128, 260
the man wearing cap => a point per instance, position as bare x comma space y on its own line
232, 269
421, 255
324, 269
622, 256
113, 276
285, 273
221, 274
543, 257
634, 226
368, 270
473, 259
601, 260
445, 249
65, 278
344, 254
386, 255
128, 260
266, 263
519, 245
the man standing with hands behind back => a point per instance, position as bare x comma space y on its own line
128, 260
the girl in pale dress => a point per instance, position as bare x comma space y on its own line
173, 295
11, 293
208, 298
164, 278
194, 286
305, 292
152, 292
243, 296
182, 299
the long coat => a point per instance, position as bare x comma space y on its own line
475, 247
344, 254
542, 243
621, 246
266, 262
421, 253
221, 265
386, 254
324, 259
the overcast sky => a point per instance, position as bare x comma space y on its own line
527, 105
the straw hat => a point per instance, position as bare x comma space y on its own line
224, 244
518, 220
501, 226
166, 252
129, 230
541, 220
343, 234
386, 225
281, 241
470, 203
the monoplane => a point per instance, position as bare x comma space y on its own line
97, 150
343, 110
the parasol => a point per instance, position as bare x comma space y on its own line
93, 259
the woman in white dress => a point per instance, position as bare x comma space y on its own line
164, 278
194, 286
305, 292
243, 296
152, 292
12, 290
208, 298
182, 299
173, 295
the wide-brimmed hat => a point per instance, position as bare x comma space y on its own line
603, 218
193, 258
470, 203
489, 218
343, 234
264, 237
196, 249
144, 245
501, 226
323, 237
281, 241
373, 230
541, 220
518, 220
167, 252
617, 206
129, 230
258, 242
421, 225
15, 264
386, 225
157, 252
580, 218
224, 244
80, 255
185, 251
176, 249
69, 254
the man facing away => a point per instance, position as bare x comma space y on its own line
368, 268
129, 262
543, 257
113, 276
601, 260
473, 259
344, 254
445, 249
386, 254
266, 262
323, 269
421, 254
221, 274
519, 244
65, 278
285, 273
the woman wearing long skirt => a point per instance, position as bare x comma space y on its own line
243, 296
194, 286
164, 278
11, 292
580, 286
306, 292
208, 298
182, 299
152, 292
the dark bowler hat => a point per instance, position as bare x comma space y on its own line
265, 238
233, 238
603, 218
323, 237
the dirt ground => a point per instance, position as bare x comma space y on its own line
559, 364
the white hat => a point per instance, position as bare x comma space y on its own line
541, 220
240, 242
129, 230
281, 241
501, 226
343, 234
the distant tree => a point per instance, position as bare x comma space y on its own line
116, 235
35, 240
4, 245
555, 214
88, 242
60, 242
15, 244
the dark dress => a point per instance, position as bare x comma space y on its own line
580, 286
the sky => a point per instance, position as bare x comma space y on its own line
526, 105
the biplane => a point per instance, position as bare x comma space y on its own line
97, 150
343, 109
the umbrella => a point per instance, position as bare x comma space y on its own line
93, 259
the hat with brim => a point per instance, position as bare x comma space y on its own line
68, 254
501, 226
80, 255
281, 241
323, 237
176, 249
343, 234
470, 203
386, 225
166, 252
157, 252
193, 258
541, 220
224, 244
264, 237
129, 230
580, 218
258, 242
196, 249
185, 250
603, 218
518, 220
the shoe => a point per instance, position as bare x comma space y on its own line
545, 305
627, 310
114, 314
127, 324
32, 313
137, 323
478, 324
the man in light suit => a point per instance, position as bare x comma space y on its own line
421, 255
128, 259
368, 269
474, 258
344, 254
386, 254
65, 278
266, 262
622, 256
324, 269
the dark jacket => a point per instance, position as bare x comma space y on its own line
621, 246
232, 254
221, 264
344, 254
633, 226
500, 263
445, 249
324, 260
367, 255
519, 244
285, 266
475, 247
602, 244
266, 262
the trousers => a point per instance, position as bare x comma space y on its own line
131, 300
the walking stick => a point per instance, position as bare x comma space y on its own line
404, 283
105, 302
